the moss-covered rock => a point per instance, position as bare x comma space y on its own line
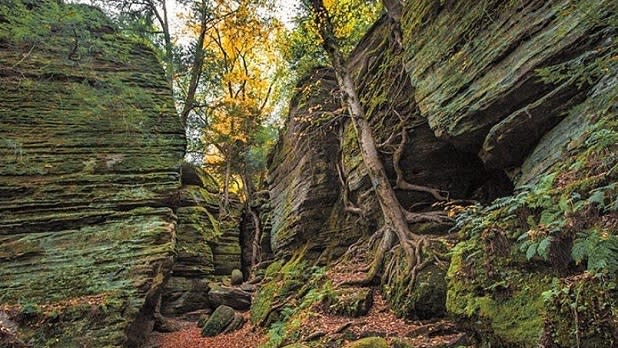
353, 302
581, 311
236, 278
536, 263
510, 308
368, 342
218, 321
233, 297
90, 149
197, 230
193, 175
473, 65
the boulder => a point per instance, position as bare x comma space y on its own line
218, 321
236, 323
233, 297
193, 175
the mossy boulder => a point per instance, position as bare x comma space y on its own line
352, 302
236, 278
368, 342
510, 308
193, 175
218, 321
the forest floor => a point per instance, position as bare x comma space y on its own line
380, 321
335, 329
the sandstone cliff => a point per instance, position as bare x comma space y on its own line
90, 155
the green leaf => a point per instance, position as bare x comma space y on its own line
580, 250
523, 236
547, 218
543, 248
531, 221
531, 251
564, 203
547, 295
598, 197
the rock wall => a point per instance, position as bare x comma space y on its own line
493, 95
303, 181
207, 244
197, 209
473, 65
90, 150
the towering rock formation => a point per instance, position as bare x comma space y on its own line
90, 152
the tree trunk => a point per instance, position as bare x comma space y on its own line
226, 183
167, 37
196, 69
393, 9
391, 209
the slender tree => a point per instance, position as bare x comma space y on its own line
396, 218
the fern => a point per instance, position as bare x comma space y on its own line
600, 250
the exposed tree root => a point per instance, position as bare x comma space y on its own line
401, 182
348, 206
343, 181
388, 239
438, 217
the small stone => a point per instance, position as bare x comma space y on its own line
248, 287
236, 277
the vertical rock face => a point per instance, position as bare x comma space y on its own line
303, 176
198, 228
207, 246
90, 148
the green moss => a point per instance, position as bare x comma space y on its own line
296, 288
512, 307
368, 342
581, 311
352, 302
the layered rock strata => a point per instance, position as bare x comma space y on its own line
90, 148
